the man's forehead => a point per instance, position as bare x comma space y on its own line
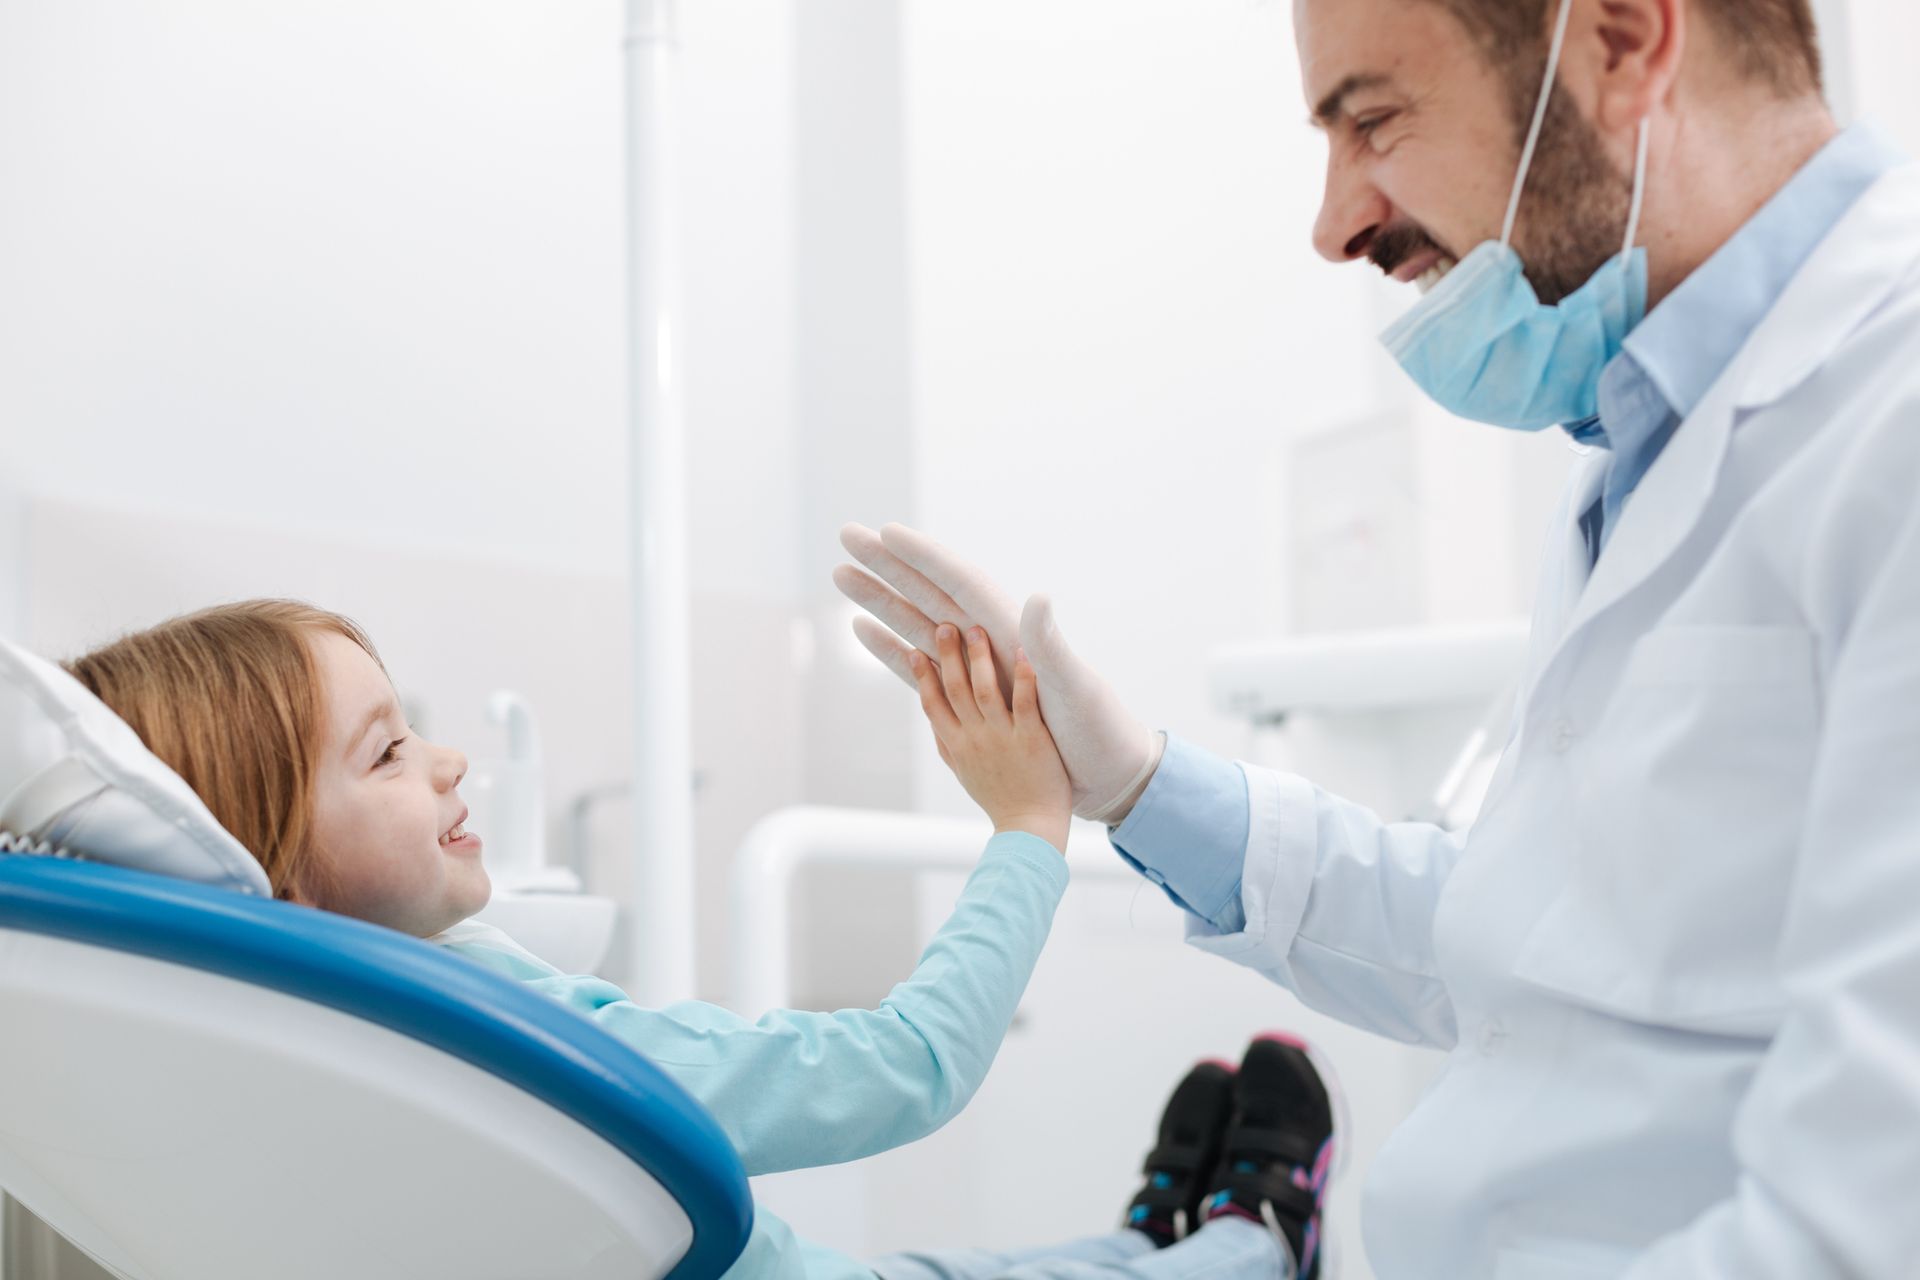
1347, 46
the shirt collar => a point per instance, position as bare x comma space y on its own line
1693, 335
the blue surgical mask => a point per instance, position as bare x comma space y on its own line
1484, 346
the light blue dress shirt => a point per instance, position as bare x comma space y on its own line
1188, 831
1674, 357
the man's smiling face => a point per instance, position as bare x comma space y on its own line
1423, 141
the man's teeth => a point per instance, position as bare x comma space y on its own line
1434, 274
455, 834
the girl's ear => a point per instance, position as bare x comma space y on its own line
296, 892
303, 876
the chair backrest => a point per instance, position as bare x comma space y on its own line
196, 1084
76, 775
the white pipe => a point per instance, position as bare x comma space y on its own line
1368, 671
788, 841
660, 911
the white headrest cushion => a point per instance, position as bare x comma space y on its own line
89, 785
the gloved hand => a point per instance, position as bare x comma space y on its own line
1109, 755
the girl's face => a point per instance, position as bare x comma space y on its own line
387, 821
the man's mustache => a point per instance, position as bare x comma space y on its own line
1394, 246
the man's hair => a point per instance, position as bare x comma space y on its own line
1773, 42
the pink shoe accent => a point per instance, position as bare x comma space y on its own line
1323, 1165
1311, 1245
1286, 1038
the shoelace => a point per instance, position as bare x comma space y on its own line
1220, 1204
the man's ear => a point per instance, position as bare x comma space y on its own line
1636, 48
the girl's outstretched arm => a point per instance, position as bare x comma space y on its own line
796, 1089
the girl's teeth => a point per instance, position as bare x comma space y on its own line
455, 834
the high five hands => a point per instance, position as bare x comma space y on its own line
911, 584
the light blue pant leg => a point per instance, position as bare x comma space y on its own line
1224, 1249
1117, 1249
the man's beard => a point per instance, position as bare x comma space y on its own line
1573, 213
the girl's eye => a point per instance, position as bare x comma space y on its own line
390, 754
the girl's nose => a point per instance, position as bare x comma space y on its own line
450, 766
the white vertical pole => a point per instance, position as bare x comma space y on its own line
1834, 19
660, 912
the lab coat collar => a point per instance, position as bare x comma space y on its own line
1689, 340
1848, 277
1574, 557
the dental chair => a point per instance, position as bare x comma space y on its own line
199, 1082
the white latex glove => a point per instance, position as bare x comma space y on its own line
920, 584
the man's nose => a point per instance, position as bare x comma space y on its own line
1352, 212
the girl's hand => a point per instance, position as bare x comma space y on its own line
1005, 759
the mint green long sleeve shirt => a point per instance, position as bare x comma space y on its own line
797, 1090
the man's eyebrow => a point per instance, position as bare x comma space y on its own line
1334, 103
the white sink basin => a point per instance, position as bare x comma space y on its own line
570, 931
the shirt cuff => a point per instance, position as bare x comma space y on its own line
1188, 831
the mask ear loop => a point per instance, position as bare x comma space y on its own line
1639, 188
1539, 120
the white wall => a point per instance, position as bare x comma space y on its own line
1114, 325
353, 274
329, 270
358, 269
1873, 46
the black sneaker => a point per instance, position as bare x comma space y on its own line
1280, 1149
1180, 1167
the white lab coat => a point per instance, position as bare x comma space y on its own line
1677, 960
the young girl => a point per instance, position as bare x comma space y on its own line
282, 718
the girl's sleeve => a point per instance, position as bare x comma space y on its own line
795, 1090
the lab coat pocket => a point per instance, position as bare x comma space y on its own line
1688, 802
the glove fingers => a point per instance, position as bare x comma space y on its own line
1108, 753
887, 606
973, 591
1054, 661
912, 585
886, 646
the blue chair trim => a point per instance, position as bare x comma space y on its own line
420, 991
